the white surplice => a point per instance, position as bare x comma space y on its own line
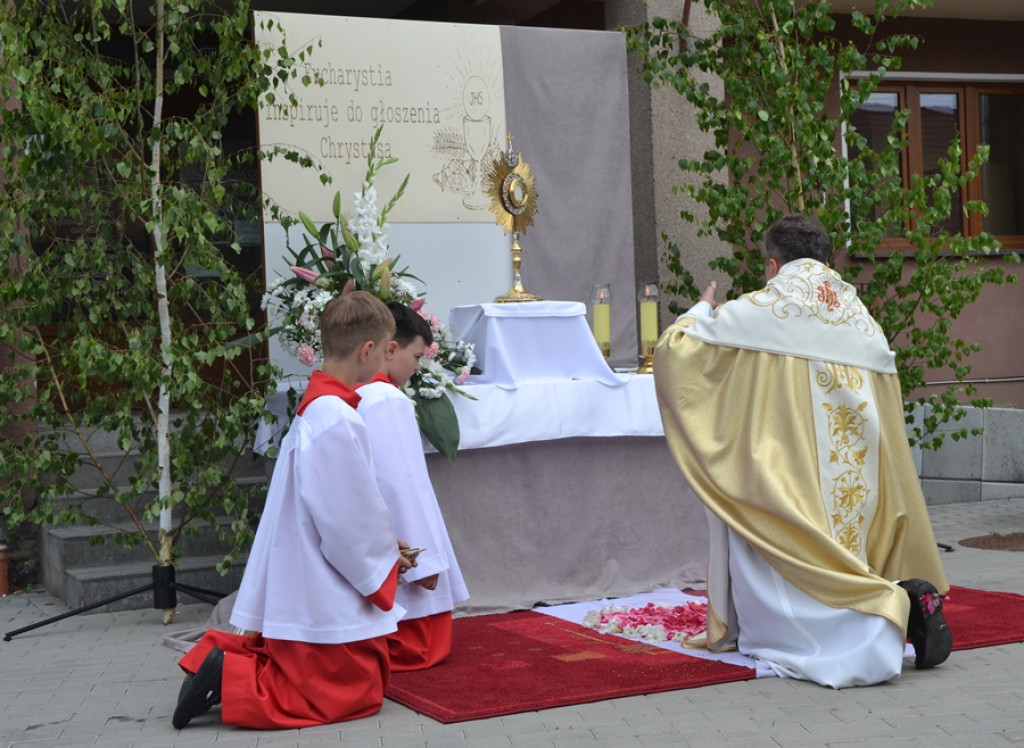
405, 485
325, 540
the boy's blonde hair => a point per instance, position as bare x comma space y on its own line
349, 321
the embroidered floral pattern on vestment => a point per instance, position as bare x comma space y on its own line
847, 431
813, 290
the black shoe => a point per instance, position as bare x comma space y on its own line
189, 677
927, 629
200, 691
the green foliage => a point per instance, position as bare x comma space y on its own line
124, 294
778, 129
438, 421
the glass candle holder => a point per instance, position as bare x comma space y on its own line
647, 297
602, 317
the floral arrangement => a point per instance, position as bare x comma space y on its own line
652, 622
352, 254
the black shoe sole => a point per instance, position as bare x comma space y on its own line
927, 628
200, 692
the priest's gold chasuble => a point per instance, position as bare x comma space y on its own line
784, 413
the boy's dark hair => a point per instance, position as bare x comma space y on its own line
348, 321
409, 324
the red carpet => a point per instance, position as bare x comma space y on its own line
525, 661
983, 619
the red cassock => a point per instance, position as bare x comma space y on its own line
420, 642
274, 684
320, 583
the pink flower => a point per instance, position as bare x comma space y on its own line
306, 355
681, 621
931, 602
417, 304
349, 287
305, 273
328, 255
463, 376
431, 350
435, 323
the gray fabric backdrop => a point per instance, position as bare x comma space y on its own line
567, 107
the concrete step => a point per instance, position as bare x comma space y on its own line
119, 467
81, 547
106, 457
90, 585
108, 511
63, 548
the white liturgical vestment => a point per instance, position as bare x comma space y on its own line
325, 540
405, 485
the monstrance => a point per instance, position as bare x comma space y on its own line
513, 192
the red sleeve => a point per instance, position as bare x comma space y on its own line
384, 598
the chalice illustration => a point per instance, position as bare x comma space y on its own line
476, 128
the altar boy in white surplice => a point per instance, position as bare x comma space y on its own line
317, 598
785, 415
435, 585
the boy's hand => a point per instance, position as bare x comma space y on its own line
428, 583
405, 562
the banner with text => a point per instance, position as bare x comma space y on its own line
436, 88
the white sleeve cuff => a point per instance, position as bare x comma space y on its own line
700, 309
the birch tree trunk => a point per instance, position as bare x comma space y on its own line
165, 484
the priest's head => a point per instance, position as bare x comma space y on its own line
795, 237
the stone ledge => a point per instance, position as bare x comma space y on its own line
86, 586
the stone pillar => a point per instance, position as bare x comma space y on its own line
662, 130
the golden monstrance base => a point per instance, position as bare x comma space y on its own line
647, 367
516, 294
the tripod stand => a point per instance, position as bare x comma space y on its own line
165, 596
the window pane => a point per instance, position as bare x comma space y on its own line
873, 119
940, 123
1002, 126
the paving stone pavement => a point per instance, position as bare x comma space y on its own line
106, 679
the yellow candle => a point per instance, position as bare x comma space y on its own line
648, 326
603, 328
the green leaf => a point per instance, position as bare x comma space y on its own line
439, 423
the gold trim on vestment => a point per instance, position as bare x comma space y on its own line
846, 423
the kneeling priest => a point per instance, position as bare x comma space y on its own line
784, 413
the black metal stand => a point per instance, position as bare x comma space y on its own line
164, 596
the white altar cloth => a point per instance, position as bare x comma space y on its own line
531, 493
536, 411
545, 410
531, 341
